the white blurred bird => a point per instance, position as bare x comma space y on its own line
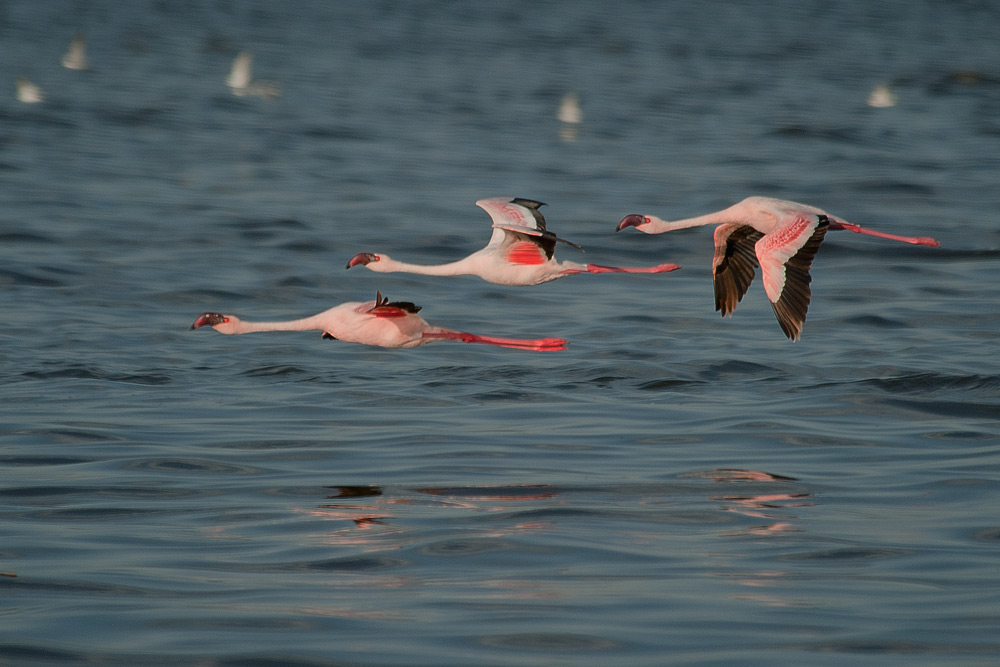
570, 116
569, 109
76, 56
881, 96
28, 92
240, 79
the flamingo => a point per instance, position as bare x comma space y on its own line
780, 236
380, 322
520, 252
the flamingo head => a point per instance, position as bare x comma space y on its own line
634, 220
222, 323
363, 258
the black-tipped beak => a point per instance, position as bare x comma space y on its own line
633, 220
362, 258
208, 320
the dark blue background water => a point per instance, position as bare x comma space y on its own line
673, 489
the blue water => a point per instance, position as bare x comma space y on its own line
675, 488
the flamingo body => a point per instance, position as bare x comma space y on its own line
781, 237
520, 252
380, 323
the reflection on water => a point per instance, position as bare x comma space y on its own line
762, 505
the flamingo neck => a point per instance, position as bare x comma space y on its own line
304, 324
659, 225
389, 265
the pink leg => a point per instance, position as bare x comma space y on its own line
659, 268
539, 344
915, 240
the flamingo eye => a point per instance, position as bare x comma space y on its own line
645, 218
225, 320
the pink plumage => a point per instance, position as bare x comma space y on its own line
779, 236
520, 252
381, 323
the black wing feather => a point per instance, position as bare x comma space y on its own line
791, 306
734, 268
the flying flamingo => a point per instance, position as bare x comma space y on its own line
520, 252
780, 236
380, 322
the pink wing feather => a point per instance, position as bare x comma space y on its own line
387, 311
775, 249
785, 257
525, 253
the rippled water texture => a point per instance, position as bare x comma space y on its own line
675, 488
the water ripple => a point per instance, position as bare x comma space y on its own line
345, 564
989, 535
846, 554
550, 642
278, 371
190, 466
87, 372
27, 279
42, 460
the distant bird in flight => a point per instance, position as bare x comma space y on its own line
520, 252
569, 109
570, 116
28, 92
780, 236
76, 56
881, 96
241, 82
381, 323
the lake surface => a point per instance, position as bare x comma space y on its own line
675, 488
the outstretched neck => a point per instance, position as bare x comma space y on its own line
389, 265
304, 324
659, 225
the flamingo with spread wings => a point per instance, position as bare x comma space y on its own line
779, 236
520, 252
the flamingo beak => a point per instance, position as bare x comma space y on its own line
633, 220
208, 319
362, 258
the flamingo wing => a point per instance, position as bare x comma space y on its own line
515, 214
521, 216
786, 255
734, 264
385, 308
518, 248
389, 310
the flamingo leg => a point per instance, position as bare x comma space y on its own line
915, 240
539, 344
598, 268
